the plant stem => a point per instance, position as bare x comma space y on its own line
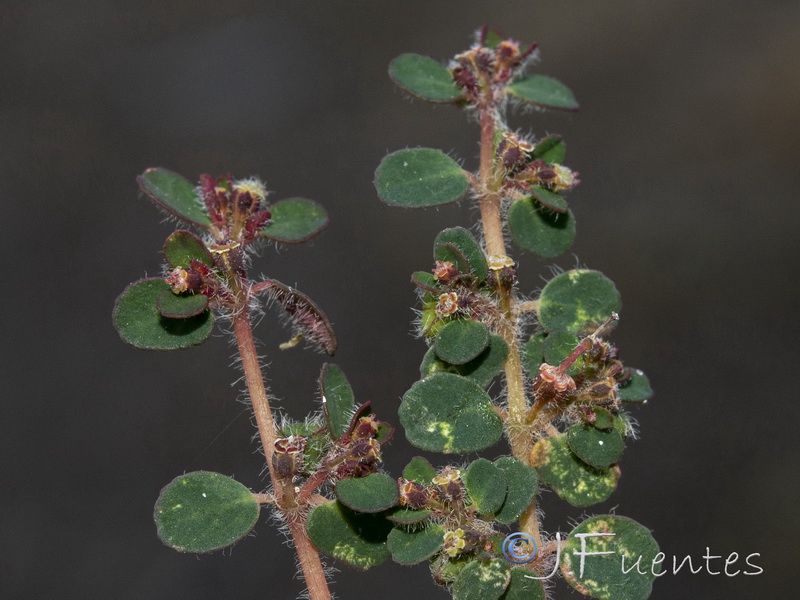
490, 206
310, 563
257, 389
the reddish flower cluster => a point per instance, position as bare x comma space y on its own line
235, 208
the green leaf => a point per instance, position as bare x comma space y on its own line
557, 346
139, 323
523, 587
409, 547
482, 369
460, 341
450, 414
540, 230
407, 516
202, 511
295, 220
523, 483
598, 448
181, 306
420, 177
469, 247
338, 401
182, 246
637, 388
544, 91
550, 200
603, 576
603, 418
356, 538
570, 477
578, 301
551, 150
486, 485
481, 580
424, 77
174, 194
425, 281
371, 494
534, 355
419, 470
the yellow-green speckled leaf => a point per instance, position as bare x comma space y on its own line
203, 511
570, 477
578, 301
482, 580
451, 414
603, 576
358, 539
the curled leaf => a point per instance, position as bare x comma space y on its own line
303, 313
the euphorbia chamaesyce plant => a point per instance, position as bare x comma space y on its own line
560, 408
563, 387
205, 280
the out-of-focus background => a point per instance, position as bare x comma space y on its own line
687, 143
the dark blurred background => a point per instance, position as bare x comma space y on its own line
687, 142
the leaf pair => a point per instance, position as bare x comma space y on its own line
428, 80
293, 220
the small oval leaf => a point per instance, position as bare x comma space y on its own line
461, 341
420, 177
424, 78
636, 388
544, 91
578, 301
467, 244
407, 516
482, 580
486, 485
139, 323
616, 546
295, 220
409, 547
371, 494
175, 194
419, 469
181, 306
202, 511
549, 199
482, 369
551, 150
598, 448
523, 483
540, 230
450, 414
338, 401
182, 246
570, 477
357, 539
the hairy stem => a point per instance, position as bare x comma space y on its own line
310, 563
257, 389
491, 219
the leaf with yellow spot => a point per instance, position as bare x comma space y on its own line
449, 413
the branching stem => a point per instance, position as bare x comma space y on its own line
309, 558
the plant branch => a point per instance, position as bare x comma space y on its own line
490, 201
309, 558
